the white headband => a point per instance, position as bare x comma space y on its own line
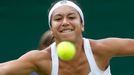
68, 3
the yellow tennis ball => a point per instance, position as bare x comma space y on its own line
66, 50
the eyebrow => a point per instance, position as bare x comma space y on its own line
57, 15
72, 13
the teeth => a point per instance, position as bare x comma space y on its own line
67, 30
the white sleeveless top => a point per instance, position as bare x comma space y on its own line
93, 66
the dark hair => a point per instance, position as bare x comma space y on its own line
46, 40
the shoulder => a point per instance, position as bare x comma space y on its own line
104, 46
104, 42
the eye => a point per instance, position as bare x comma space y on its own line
57, 18
71, 17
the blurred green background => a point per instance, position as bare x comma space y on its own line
22, 22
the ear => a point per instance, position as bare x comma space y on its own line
82, 28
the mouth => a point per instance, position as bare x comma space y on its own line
66, 30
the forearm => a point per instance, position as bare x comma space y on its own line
4, 71
16, 68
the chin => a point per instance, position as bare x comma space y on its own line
72, 39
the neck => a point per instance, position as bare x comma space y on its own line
79, 47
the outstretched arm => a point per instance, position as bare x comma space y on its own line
17, 67
118, 46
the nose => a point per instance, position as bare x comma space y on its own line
65, 22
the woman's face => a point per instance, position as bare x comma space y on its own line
66, 24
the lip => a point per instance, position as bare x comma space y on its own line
66, 30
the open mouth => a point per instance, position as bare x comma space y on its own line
66, 30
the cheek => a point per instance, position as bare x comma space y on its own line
54, 24
80, 27
77, 21
78, 24
54, 27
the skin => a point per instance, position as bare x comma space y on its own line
66, 25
